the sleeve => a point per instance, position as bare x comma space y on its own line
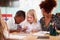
38, 26
57, 23
42, 23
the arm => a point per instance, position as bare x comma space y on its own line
11, 31
37, 27
24, 28
11, 26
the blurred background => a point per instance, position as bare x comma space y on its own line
10, 7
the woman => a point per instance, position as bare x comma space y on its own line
46, 8
31, 24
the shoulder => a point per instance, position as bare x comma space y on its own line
38, 22
11, 20
24, 23
55, 18
41, 20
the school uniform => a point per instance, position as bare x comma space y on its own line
29, 26
11, 24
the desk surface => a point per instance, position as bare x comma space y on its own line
49, 38
45, 37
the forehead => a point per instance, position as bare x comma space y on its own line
29, 15
19, 17
43, 9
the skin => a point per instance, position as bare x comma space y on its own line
17, 21
30, 19
47, 16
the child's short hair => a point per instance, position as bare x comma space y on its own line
20, 13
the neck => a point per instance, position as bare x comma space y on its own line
49, 15
15, 21
30, 22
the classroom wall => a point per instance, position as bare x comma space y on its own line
26, 5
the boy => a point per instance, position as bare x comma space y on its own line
14, 23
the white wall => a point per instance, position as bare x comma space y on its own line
29, 4
34, 4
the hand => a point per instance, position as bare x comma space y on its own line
25, 28
19, 29
34, 30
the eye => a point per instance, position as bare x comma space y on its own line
30, 17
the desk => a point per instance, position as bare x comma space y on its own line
35, 38
31, 37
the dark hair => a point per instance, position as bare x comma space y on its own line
20, 13
48, 5
58, 14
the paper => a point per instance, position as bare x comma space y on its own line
16, 36
40, 33
13, 36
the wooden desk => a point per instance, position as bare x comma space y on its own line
50, 37
31, 37
35, 37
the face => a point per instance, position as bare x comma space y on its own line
43, 12
19, 19
30, 18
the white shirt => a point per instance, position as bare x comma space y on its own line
11, 24
31, 26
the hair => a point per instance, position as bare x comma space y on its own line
48, 5
20, 13
58, 14
33, 13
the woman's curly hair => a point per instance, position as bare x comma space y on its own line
48, 5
